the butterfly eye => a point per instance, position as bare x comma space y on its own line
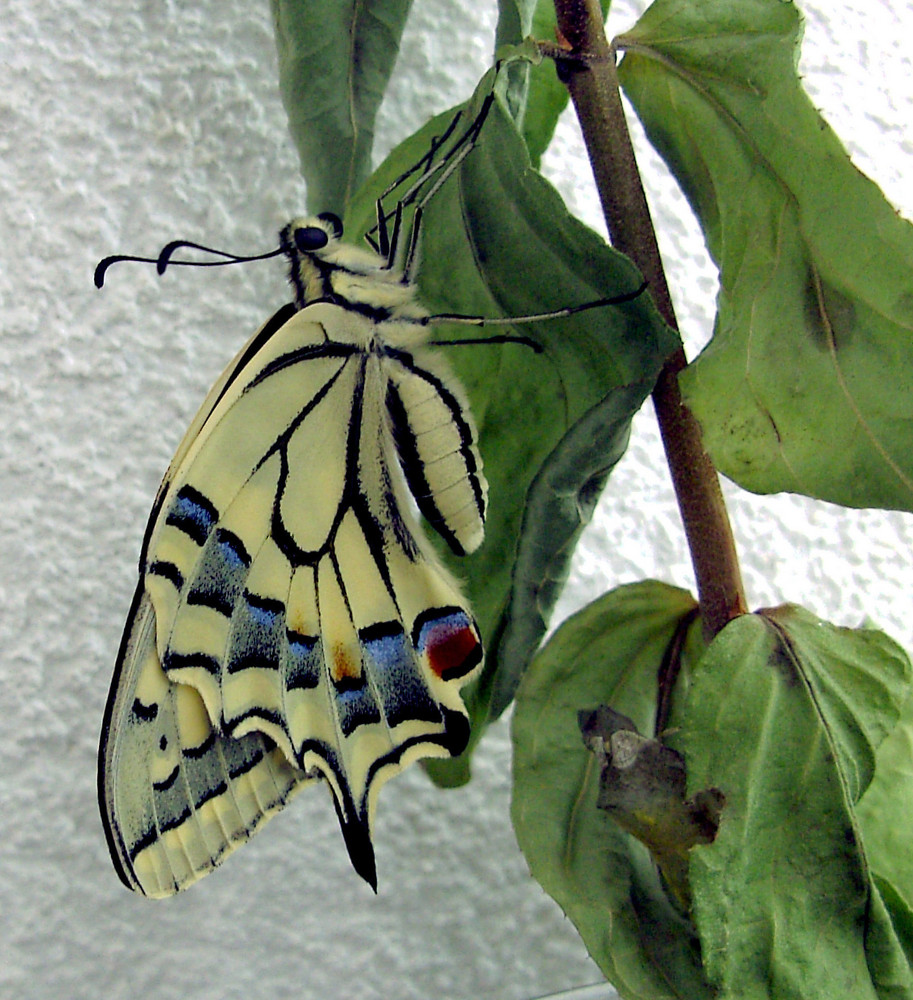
334, 221
310, 238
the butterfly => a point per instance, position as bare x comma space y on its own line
292, 621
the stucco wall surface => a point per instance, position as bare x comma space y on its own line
124, 125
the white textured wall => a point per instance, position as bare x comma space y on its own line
123, 124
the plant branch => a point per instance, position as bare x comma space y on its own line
588, 69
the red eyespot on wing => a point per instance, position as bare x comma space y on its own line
448, 637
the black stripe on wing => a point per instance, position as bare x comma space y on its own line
304, 666
193, 514
191, 661
167, 571
275, 323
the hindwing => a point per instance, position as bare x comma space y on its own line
292, 621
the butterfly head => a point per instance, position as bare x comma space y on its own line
315, 236
324, 268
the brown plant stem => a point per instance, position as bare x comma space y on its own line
588, 69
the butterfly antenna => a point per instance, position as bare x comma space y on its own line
102, 266
164, 259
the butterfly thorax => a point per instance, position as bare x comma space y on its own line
322, 268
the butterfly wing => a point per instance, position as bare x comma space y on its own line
177, 796
291, 620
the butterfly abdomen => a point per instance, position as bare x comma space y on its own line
435, 441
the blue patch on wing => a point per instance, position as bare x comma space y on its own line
231, 552
305, 661
355, 705
218, 579
203, 772
392, 665
192, 513
257, 633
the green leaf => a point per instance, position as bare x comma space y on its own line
805, 384
559, 503
784, 714
885, 810
889, 941
335, 59
498, 241
859, 679
602, 878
